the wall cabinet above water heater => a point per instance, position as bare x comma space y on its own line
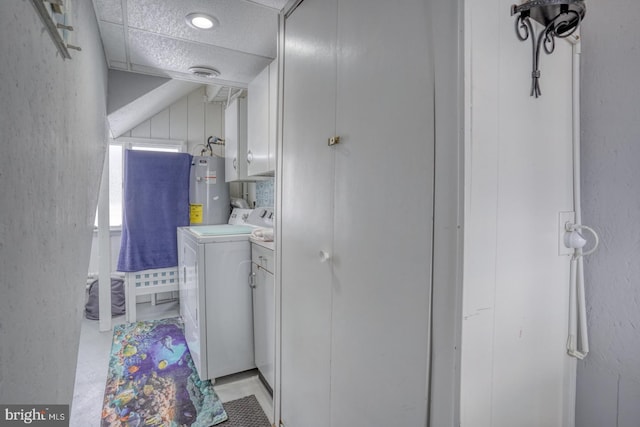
261, 122
235, 125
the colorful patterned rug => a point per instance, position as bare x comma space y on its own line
152, 380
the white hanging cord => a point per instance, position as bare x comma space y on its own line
572, 341
582, 308
577, 301
573, 239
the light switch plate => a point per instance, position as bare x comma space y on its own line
563, 218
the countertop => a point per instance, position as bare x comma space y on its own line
268, 245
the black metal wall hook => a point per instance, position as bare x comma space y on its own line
560, 18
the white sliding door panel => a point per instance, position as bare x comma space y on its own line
382, 264
307, 213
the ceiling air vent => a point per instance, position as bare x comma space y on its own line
206, 72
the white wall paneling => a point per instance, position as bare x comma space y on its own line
143, 130
179, 120
190, 119
160, 124
518, 176
195, 118
214, 122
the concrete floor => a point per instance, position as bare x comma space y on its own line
93, 363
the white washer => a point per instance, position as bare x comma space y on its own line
215, 297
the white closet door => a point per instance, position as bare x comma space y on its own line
307, 213
383, 214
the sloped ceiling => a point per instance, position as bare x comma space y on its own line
152, 37
146, 106
124, 88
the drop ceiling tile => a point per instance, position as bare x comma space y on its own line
151, 50
113, 41
109, 10
244, 26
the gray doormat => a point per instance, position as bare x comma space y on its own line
245, 412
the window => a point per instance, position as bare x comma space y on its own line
116, 166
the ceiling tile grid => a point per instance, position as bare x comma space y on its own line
109, 10
113, 42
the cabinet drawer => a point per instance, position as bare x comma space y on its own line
262, 257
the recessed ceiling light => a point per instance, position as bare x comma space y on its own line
201, 21
207, 72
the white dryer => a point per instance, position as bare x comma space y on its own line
215, 297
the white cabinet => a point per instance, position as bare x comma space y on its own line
235, 125
261, 122
273, 114
356, 280
258, 124
264, 324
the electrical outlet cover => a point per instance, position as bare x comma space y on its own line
563, 218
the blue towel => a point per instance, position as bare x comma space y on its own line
155, 203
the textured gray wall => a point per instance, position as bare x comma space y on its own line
609, 379
52, 141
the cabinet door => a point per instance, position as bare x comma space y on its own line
235, 128
192, 302
307, 213
384, 163
258, 124
273, 114
229, 314
264, 325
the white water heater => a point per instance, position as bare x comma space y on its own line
208, 192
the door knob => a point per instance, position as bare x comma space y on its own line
324, 256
